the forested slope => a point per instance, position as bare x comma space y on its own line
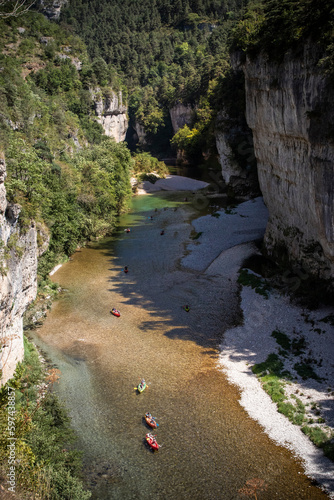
61, 169
166, 52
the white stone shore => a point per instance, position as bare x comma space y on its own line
252, 342
224, 244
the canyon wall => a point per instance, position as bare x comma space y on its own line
18, 279
290, 109
235, 150
111, 113
181, 114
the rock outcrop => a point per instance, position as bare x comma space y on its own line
52, 8
18, 279
236, 155
111, 113
141, 134
290, 109
181, 114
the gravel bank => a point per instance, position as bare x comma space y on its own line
252, 343
225, 242
171, 183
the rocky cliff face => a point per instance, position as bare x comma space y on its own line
181, 114
111, 113
235, 150
18, 279
290, 109
52, 8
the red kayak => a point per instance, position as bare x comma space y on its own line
151, 421
152, 442
115, 312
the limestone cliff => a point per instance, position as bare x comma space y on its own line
52, 8
18, 279
111, 113
290, 109
236, 155
181, 114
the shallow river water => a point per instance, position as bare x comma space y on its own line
210, 447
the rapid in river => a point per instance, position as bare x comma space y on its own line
210, 446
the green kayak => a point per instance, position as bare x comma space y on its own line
141, 386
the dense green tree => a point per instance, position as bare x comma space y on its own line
171, 46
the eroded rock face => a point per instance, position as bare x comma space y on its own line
141, 134
3, 201
18, 279
52, 8
111, 113
181, 115
236, 156
290, 109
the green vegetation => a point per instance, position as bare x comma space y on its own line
271, 373
144, 163
282, 339
166, 52
321, 439
306, 371
247, 278
272, 366
274, 378
63, 172
76, 198
296, 346
197, 235
275, 26
173, 45
46, 466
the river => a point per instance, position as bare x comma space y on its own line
210, 446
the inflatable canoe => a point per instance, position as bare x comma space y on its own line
151, 421
141, 386
151, 441
115, 312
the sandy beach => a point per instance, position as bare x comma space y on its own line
224, 242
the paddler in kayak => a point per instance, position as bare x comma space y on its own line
151, 421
